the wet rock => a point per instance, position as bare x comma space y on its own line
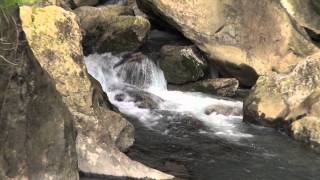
111, 29
306, 126
226, 87
307, 130
177, 124
158, 38
79, 3
131, 57
244, 39
54, 37
37, 134
140, 98
305, 12
242, 94
118, 2
223, 110
281, 99
182, 64
95, 160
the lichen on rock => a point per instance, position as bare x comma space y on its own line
182, 64
284, 100
111, 28
54, 37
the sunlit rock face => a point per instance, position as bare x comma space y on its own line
37, 136
55, 40
243, 38
305, 12
289, 101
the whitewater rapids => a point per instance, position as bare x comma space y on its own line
145, 75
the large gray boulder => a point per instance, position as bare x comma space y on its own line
243, 38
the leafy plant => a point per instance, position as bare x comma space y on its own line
11, 3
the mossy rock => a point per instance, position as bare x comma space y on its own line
111, 28
182, 64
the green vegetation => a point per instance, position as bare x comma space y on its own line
12, 3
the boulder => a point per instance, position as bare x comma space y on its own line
306, 126
284, 100
87, 13
182, 64
111, 29
305, 12
37, 137
226, 87
139, 97
307, 130
244, 39
54, 38
70, 4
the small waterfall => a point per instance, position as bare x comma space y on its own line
137, 70
141, 72
136, 85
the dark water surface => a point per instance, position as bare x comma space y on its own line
174, 134
269, 155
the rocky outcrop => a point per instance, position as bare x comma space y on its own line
55, 39
111, 29
305, 12
37, 137
182, 64
306, 126
288, 101
226, 87
243, 38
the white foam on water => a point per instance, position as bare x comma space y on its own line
102, 67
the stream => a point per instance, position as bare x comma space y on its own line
176, 134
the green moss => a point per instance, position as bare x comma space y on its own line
13, 3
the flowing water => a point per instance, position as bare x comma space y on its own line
176, 135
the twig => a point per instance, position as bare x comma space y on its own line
9, 62
7, 49
5, 15
17, 36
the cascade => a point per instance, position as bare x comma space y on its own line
136, 85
